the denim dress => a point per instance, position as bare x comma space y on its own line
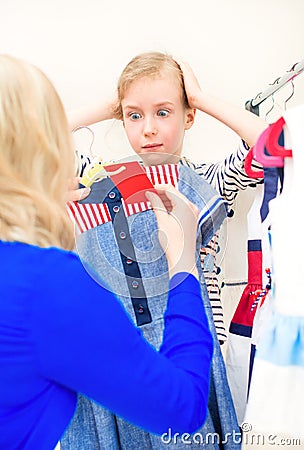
122, 248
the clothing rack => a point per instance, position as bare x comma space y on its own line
296, 69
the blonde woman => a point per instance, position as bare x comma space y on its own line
61, 332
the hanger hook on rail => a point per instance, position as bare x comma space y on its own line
291, 95
272, 106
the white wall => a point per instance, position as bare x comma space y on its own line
236, 47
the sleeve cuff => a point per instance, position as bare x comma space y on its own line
188, 281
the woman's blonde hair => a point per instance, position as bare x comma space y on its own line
36, 158
150, 64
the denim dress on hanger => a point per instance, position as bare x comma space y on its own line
122, 247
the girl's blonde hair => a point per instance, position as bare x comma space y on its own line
150, 64
36, 158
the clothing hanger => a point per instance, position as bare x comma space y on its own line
267, 149
92, 138
276, 129
97, 168
260, 155
260, 150
291, 95
97, 171
273, 140
248, 169
252, 153
272, 106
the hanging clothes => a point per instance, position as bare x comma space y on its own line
239, 342
275, 403
253, 307
228, 177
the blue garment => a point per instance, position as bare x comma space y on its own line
62, 333
126, 253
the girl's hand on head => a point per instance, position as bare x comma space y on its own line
192, 86
177, 228
74, 194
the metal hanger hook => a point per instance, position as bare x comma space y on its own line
92, 137
272, 106
291, 95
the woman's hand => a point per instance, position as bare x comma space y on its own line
75, 194
177, 224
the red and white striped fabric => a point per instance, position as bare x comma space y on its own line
165, 174
90, 215
134, 208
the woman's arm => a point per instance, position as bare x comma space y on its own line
88, 344
84, 339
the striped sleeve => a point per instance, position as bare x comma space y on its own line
228, 177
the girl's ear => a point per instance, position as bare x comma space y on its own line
189, 118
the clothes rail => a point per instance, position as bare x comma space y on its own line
296, 69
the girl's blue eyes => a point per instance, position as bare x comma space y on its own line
135, 116
161, 113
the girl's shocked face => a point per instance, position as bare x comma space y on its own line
155, 118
